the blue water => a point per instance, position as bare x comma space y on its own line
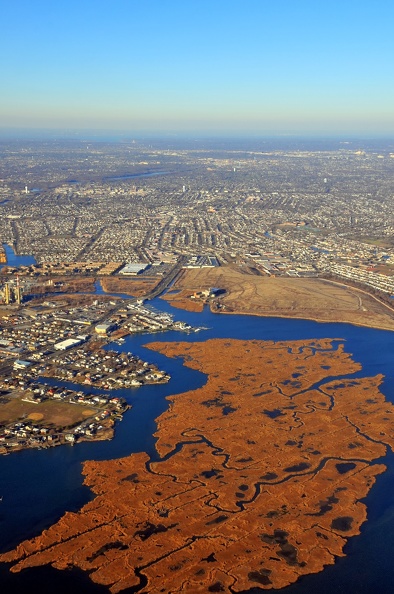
14, 260
39, 486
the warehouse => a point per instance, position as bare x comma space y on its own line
134, 268
64, 345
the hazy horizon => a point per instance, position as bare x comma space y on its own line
108, 135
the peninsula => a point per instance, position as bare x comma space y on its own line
245, 291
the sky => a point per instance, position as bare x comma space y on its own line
261, 67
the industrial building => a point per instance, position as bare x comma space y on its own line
20, 364
11, 293
104, 328
64, 345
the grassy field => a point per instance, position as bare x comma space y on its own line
308, 298
50, 412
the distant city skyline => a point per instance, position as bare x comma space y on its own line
212, 67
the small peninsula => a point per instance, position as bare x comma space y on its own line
247, 291
259, 478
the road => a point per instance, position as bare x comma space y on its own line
167, 280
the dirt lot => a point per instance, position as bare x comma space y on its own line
307, 298
51, 412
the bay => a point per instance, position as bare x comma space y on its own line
13, 260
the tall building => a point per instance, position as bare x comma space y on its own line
12, 294
18, 295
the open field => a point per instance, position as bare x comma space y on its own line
130, 286
49, 412
75, 284
307, 298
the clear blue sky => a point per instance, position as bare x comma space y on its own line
217, 66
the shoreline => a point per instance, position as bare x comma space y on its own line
317, 299
106, 434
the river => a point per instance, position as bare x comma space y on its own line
136, 175
38, 486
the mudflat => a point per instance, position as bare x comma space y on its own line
260, 477
307, 298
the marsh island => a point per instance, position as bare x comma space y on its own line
259, 477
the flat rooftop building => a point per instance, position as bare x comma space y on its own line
104, 328
134, 268
19, 364
67, 344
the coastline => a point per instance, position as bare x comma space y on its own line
316, 299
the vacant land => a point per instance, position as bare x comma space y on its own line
308, 298
129, 286
64, 284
